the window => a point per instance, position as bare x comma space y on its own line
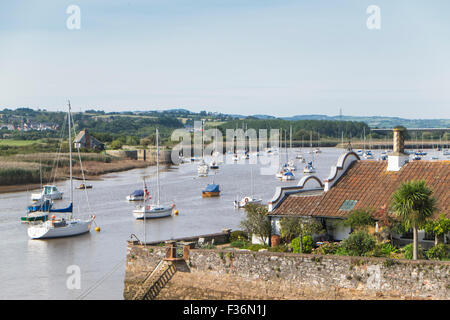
348, 205
429, 236
408, 234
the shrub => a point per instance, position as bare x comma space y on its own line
238, 235
307, 244
327, 248
408, 252
257, 247
438, 252
359, 219
383, 249
280, 248
358, 243
238, 244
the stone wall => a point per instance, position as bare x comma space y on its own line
125, 154
226, 274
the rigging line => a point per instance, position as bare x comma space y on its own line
56, 160
82, 171
100, 281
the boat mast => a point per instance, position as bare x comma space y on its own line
70, 158
290, 139
157, 164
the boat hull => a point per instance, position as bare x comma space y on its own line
34, 217
242, 203
46, 230
207, 194
53, 196
151, 214
132, 198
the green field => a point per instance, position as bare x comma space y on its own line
17, 143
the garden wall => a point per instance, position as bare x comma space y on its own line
225, 274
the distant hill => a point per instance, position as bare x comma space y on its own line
379, 122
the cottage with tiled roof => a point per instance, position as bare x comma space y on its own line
357, 184
85, 140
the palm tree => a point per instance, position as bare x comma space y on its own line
413, 204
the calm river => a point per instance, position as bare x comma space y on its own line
37, 269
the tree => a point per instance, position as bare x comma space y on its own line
256, 222
116, 144
439, 227
358, 243
299, 227
413, 204
359, 219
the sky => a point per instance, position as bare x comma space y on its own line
279, 57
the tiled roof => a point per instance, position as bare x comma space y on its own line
372, 186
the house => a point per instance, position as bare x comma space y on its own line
85, 140
356, 184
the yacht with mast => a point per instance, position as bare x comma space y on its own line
62, 227
202, 168
248, 199
157, 210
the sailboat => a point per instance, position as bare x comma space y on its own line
248, 199
157, 210
211, 190
309, 168
202, 168
62, 227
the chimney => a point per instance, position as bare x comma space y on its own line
398, 157
399, 141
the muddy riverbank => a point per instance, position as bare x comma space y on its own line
93, 170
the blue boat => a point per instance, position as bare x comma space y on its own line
137, 195
211, 190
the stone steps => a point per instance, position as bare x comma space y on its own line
156, 281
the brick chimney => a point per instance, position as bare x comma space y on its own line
398, 157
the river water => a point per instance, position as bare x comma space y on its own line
38, 269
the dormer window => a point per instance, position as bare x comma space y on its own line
348, 205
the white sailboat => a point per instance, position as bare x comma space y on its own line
309, 168
202, 168
248, 199
157, 210
62, 227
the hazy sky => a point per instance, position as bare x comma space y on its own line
276, 57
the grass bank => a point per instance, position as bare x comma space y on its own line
24, 170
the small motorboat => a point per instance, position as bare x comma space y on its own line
137, 195
368, 154
202, 169
309, 168
38, 211
291, 166
84, 186
48, 192
211, 190
213, 165
245, 201
288, 175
